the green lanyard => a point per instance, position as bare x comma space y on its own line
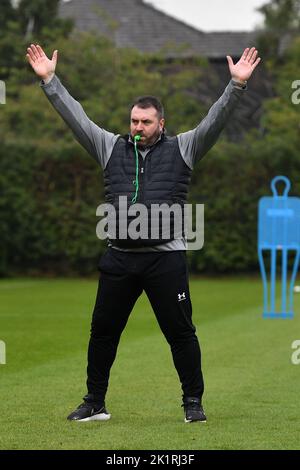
136, 181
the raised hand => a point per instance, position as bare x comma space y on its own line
43, 67
243, 69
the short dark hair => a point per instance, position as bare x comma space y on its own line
149, 101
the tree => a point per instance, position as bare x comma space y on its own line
31, 20
7, 13
50, 188
36, 15
240, 174
281, 19
281, 15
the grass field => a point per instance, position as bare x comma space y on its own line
252, 397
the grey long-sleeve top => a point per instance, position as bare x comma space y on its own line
99, 143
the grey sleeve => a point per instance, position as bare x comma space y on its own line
97, 141
196, 143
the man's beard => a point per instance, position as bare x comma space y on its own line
150, 140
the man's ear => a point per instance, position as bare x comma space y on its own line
162, 124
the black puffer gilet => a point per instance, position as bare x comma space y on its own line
163, 178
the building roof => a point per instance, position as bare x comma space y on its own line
133, 23
217, 45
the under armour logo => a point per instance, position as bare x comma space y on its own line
181, 296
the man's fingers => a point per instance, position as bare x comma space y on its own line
253, 57
256, 62
245, 53
29, 60
252, 54
31, 54
35, 51
54, 56
40, 51
229, 60
249, 55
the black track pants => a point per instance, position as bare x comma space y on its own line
164, 278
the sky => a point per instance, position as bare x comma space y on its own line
214, 15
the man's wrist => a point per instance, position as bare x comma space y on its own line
240, 83
47, 79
